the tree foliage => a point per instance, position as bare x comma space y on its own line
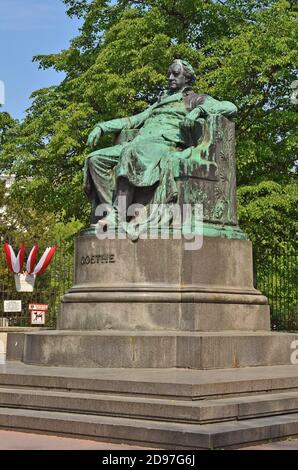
268, 212
242, 50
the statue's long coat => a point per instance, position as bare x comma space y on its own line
150, 157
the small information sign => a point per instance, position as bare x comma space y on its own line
38, 313
12, 306
38, 317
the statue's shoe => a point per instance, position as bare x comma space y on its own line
110, 221
138, 225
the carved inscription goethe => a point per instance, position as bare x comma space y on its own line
98, 259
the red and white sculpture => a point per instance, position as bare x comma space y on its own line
25, 279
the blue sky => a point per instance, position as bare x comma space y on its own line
28, 28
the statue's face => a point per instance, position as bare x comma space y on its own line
176, 77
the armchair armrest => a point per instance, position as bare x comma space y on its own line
199, 135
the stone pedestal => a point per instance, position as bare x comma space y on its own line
158, 285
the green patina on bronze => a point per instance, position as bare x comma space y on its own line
181, 149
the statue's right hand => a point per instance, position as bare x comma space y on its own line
94, 137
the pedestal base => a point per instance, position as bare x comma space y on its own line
137, 350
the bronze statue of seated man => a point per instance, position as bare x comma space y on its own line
149, 160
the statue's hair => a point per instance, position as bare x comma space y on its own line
188, 71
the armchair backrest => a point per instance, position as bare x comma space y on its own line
208, 177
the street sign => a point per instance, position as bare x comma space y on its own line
42, 307
12, 306
38, 313
38, 317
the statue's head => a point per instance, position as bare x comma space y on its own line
180, 74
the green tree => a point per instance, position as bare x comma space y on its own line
268, 212
22, 219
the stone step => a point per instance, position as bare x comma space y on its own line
177, 384
200, 411
147, 349
151, 433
